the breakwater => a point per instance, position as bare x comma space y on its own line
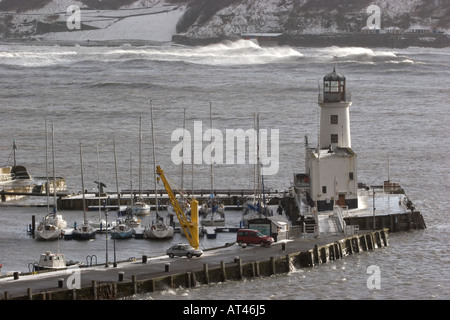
239, 264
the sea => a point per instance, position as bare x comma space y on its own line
100, 96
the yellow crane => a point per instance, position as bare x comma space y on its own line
190, 228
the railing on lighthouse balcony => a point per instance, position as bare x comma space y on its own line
344, 97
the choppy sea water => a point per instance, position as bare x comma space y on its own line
94, 94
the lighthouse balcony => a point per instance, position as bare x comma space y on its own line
334, 97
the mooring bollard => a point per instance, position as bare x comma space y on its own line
144, 258
166, 267
16, 275
121, 273
283, 246
60, 282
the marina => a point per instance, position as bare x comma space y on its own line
377, 132
318, 226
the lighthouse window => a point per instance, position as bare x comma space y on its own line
326, 86
324, 189
334, 119
350, 175
334, 86
334, 138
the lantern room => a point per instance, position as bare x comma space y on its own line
334, 87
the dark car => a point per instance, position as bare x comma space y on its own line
181, 250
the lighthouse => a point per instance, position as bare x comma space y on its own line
334, 112
330, 176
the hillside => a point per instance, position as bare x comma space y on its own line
159, 20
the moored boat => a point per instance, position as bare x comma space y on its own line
159, 230
85, 231
47, 231
53, 261
122, 231
52, 225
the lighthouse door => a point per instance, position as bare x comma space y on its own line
341, 200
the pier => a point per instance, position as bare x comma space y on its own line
151, 274
228, 197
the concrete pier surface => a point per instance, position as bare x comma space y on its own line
149, 274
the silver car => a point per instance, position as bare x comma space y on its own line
181, 250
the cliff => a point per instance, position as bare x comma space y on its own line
314, 22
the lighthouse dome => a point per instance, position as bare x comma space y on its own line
334, 76
334, 87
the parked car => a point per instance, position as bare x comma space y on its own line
251, 236
182, 249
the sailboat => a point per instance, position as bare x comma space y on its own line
52, 225
254, 207
85, 231
100, 224
130, 219
140, 208
212, 211
158, 229
122, 231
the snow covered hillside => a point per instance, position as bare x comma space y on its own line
159, 20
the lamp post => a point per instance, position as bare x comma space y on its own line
114, 242
373, 200
106, 215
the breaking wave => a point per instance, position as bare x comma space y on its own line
225, 53
359, 55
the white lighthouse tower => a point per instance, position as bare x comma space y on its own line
331, 166
334, 115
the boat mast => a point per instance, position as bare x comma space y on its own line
14, 152
99, 187
182, 156
140, 157
255, 166
212, 173
154, 159
211, 140
258, 165
117, 179
54, 175
131, 182
82, 186
46, 166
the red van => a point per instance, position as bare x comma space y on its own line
251, 236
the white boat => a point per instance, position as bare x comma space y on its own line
100, 224
130, 220
52, 225
53, 261
56, 219
14, 173
212, 213
140, 208
46, 231
158, 229
85, 231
